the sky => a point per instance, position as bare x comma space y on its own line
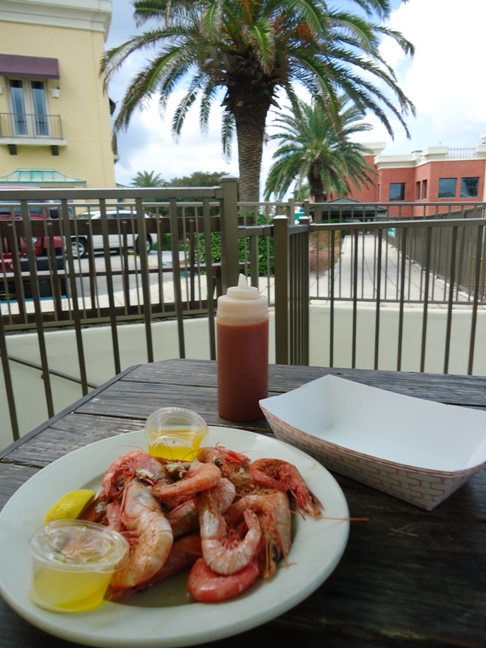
444, 80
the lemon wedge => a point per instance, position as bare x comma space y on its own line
70, 506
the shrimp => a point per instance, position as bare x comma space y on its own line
233, 465
224, 494
183, 518
135, 464
150, 535
224, 551
227, 460
273, 511
97, 511
207, 587
283, 476
183, 554
113, 516
199, 478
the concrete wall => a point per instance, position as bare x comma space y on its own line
62, 352
388, 339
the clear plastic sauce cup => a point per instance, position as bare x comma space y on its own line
74, 561
175, 433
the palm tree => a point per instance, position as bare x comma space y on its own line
251, 49
148, 179
317, 156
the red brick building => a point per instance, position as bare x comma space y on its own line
429, 176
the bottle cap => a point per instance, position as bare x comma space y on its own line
242, 301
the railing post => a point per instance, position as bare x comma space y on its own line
41, 338
291, 213
8, 382
307, 208
230, 263
281, 264
299, 304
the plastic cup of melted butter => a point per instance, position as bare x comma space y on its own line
73, 564
175, 433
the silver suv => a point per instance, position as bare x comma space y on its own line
79, 243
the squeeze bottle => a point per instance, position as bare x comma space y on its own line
242, 352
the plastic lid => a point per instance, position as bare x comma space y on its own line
242, 301
79, 546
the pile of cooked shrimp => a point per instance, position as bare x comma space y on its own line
224, 517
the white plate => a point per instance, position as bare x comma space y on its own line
164, 615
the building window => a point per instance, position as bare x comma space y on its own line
447, 187
469, 187
29, 114
417, 191
397, 191
424, 189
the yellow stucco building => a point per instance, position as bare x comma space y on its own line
55, 124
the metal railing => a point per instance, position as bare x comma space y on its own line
428, 263
31, 126
166, 254
44, 285
420, 261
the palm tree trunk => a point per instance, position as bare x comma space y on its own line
250, 128
316, 185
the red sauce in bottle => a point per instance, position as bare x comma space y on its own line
242, 370
242, 352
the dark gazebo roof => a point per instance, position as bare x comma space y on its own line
347, 209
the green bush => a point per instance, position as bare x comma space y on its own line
165, 242
265, 250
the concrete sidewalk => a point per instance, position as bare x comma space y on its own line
367, 277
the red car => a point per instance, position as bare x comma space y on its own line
9, 247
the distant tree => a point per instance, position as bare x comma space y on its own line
198, 179
315, 155
148, 179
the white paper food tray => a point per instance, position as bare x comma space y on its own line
417, 450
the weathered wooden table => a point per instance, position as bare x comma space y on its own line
407, 578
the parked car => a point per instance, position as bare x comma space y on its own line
79, 242
42, 245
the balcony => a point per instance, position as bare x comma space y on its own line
370, 289
22, 129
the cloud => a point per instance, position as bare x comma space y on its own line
149, 144
443, 79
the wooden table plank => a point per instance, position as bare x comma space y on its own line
11, 478
71, 433
451, 389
